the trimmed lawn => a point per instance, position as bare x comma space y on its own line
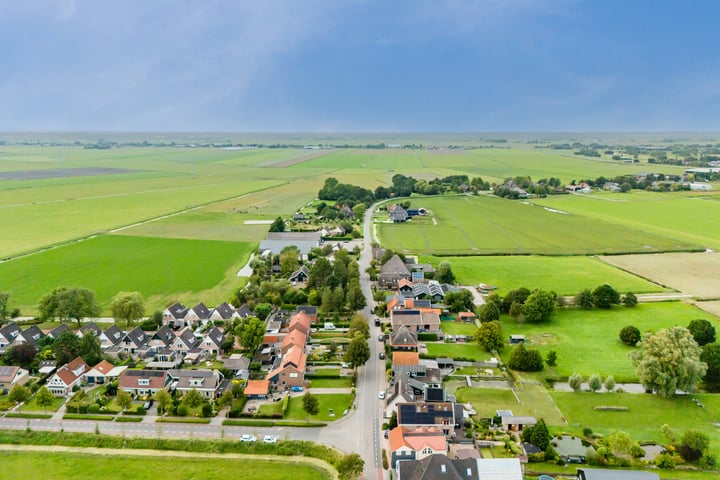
458, 350
339, 402
342, 382
61, 466
645, 414
587, 341
458, 328
32, 406
534, 401
271, 409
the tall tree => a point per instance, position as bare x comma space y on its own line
5, 307
359, 325
311, 404
711, 356
19, 394
669, 361
489, 313
525, 359
444, 273
605, 296
289, 260
539, 306
355, 297
66, 347
89, 349
278, 225
350, 466
164, 400
77, 400
21, 355
128, 307
69, 303
193, 399
44, 398
461, 301
358, 351
490, 336
250, 333
320, 271
123, 399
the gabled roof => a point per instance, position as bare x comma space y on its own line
165, 335
130, 379
32, 335
295, 338
300, 321
104, 367
10, 331
257, 387
406, 359
70, 372
302, 271
243, 311
202, 312
440, 467
295, 358
404, 282
309, 310
113, 334
91, 327
216, 335
417, 438
8, 373
189, 379
177, 310
187, 337
59, 330
420, 413
403, 337
136, 336
394, 266
224, 310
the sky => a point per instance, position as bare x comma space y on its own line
360, 65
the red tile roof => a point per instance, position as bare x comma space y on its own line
406, 358
257, 387
417, 439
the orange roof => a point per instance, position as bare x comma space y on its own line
270, 339
417, 439
77, 363
66, 375
257, 387
302, 320
404, 282
406, 358
409, 302
392, 303
104, 367
296, 338
466, 315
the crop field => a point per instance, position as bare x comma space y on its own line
587, 341
686, 217
64, 465
484, 225
563, 275
162, 269
680, 271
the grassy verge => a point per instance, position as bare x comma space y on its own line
182, 420
271, 423
97, 418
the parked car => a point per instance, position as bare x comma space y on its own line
387, 433
381, 337
148, 404
248, 438
377, 322
296, 389
269, 439
381, 395
381, 356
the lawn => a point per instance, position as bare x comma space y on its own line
32, 406
339, 402
458, 328
342, 382
162, 269
587, 341
485, 225
61, 466
457, 350
534, 401
563, 275
645, 414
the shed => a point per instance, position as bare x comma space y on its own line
517, 339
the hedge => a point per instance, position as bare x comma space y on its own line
80, 416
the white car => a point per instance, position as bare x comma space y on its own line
248, 438
381, 395
269, 439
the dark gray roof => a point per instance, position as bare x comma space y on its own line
91, 327
224, 310
244, 311
606, 474
188, 338
399, 213
177, 310
394, 266
302, 271
216, 335
308, 309
403, 337
292, 236
113, 334
165, 335
420, 413
32, 334
10, 331
201, 311
438, 467
136, 336
57, 331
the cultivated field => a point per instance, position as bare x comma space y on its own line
164, 270
692, 273
484, 225
563, 275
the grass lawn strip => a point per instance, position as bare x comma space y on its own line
338, 402
458, 350
58, 462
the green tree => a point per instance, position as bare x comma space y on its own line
702, 331
620, 444
127, 307
289, 260
516, 311
337, 299
19, 394
123, 399
350, 466
164, 400
226, 399
250, 333
5, 307
525, 359
551, 358
460, 301
320, 272
358, 351
444, 273
539, 306
69, 303
594, 382
89, 349
311, 404
605, 296
711, 356
359, 325
489, 336
278, 225
77, 400
584, 299
355, 297
489, 313
610, 383
519, 295
44, 398
538, 435
629, 300
575, 381
359, 211
193, 399
630, 335
262, 310
693, 445
66, 348
669, 361
22, 355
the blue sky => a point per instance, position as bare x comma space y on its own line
360, 65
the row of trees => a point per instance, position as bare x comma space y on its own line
522, 304
66, 304
604, 296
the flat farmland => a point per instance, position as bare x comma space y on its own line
681, 271
690, 218
587, 341
563, 275
485, 225
162, 269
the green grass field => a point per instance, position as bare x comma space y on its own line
587, 341
534, 401
339, 402
458, 328
162, 269
484, 225
62, 466
32, 406
342, 382
458, 350
563, 275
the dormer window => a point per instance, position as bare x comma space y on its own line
144, 382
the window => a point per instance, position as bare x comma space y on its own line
293, 375
427, 451
144, 381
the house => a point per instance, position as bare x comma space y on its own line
174, 315
415, 444
197, 315
238, 365
392, 272
162, 339
405, 287
404, 339
257, 389
62, 382
59, 330
89, 328
398, 215
184, 342
143, 382
430, 414
8, 334
300, 275
206, 382
11, 376
415, 320
290, 371
300, 321
405, 362
299, 217
224, 311
30, 336
347, 211
243, 311
440, 467
103, 372
304, 241
308, 310
133, 341
611, 187
110, 337
516, 424
606, 474
466, 317
212, 341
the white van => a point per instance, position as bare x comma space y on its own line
329, 326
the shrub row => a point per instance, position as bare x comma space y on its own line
80, 416
271, 423
611, 408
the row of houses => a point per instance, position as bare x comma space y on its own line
178, 316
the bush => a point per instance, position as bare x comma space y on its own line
610, 383
427, 337
182, 410
629, 300
575, 382
93, 408
630, 335
665, 461
594, 382
525, 359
